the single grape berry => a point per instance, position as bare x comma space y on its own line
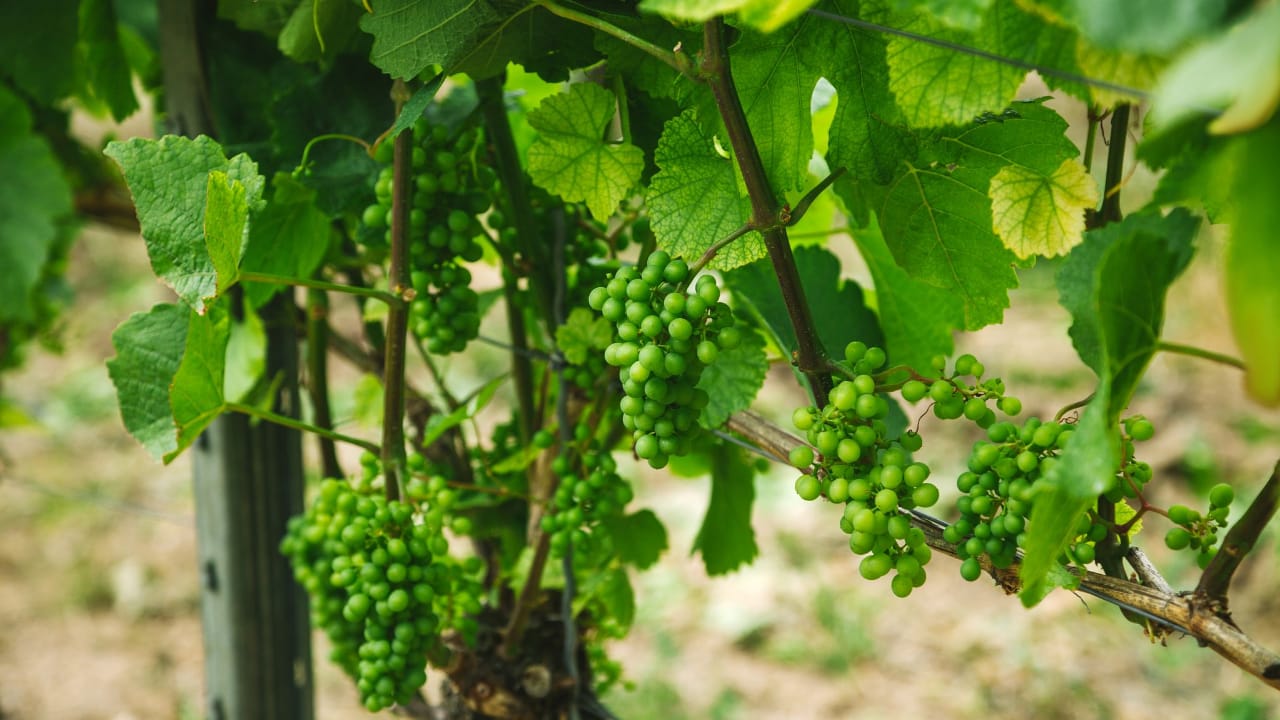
1221, 495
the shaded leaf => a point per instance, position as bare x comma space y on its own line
107, 71
411, 35
583, 334
733, 380
289, 237
726, 540
640, 538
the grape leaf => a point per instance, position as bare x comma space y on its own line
289, 237
35, 205
1130, 70
584, 333
570, 157
775, 89
639, 537
168, 374
694, 200
918, 319
411, 35
1239, 70
823, 288
532, 36
169, 179
1086, 469
1157, 27
733, 380
1038, 215
868, 134
107, 71
319, 29
937, 85
611, 588
959, 14
439, 424
726, 539
226, 219
763, 15
1252, 262
1114, 286
38, 47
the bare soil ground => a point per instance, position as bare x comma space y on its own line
99, 616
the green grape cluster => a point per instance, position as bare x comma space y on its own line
872, 475
1199, 532
998, 492
370, 574
590, 490
665, 336
955, 398
450, 188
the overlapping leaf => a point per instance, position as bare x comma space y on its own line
1036, 214
726, 539
169, 180
571, 158
733, 380
289, 237
694, 199
411, 35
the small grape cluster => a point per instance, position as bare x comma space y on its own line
1199, 532
369, 571
590, 490
998, 492
449, 190
664, 338
953, 398
872, 475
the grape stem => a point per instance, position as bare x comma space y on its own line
766, 211
707, 256
267, 415
389, 298
1180, 349
306, 151
1240, 539
1194, 614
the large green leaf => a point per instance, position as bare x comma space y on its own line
918, 319
868, 133
939, 86
640, 538
733, 380
694, 199
169, 179
726, 539
775, 88
289, 237
839, 310
764, 15
319, 29
1114, 285
168, 373
571, 158
1238, 71
411, 35
108, 76
38, 47
1086, 469
35, 203
1253, 258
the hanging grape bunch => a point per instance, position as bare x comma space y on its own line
590, 489
449, 189
664, 337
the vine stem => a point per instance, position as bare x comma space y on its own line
267, 415
357, 290
306, 151
318, 376
1110, 211
1192, 351
1192, 614
674, 59
393, 452
765, 208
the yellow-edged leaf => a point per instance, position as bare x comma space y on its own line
1035, 214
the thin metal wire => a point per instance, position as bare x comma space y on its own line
976, 52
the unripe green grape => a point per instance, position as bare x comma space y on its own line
964, 364
1009, 405
802, 419
911, 441
913, 391
874, 567
925, 496
1141, 429
838, 490
801, 456
971, 569
844, 395
941, 390
901, 585
1221, 495
1183, 515
854, 351
1177, 538
828, 442
808, 487
887, 500
848, 450
1084, 553
974, 408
